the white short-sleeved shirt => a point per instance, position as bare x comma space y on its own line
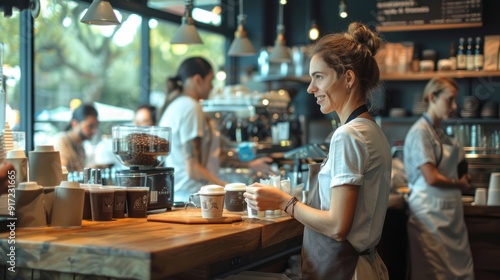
360, 155
186, 119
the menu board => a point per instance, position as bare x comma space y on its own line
429, 14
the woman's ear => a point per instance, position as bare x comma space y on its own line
432, 97
350, 78
197, 79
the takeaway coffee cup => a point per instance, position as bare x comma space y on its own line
45, 166
137, 202
67, 209
20, 161
212, 201
101, 203
87, 211
494, 181
233, 199
119, 201
494, 189
30, 205
480, 197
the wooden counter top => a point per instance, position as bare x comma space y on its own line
139, 249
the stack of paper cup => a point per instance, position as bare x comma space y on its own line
494, 189
480, 197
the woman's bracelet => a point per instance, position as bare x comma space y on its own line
293, 207
292, 202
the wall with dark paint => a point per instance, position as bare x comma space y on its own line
261, 26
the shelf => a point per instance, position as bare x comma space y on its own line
421, 76
410, 76
396, 28
412, 119
279, 78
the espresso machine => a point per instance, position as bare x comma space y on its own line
143, 149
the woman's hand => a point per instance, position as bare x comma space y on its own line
265, 197
5, 170
464, 182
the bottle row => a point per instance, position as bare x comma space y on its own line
469, 55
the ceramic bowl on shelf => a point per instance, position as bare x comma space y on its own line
397, 112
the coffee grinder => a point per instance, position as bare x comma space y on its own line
143, 149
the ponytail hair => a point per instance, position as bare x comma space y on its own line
188, 69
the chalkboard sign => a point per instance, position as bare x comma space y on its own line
396, 15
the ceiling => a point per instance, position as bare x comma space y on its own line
177, 6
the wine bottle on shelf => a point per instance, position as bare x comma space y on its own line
453, 56
415, 61
470, 54
461, 60
478, 55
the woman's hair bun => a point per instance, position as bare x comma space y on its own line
361, 34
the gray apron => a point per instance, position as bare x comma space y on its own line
324, 257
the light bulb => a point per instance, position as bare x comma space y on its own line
313, 32
342, 9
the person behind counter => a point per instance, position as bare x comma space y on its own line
344, 219
439, 246
195, 150
7, 176
145, 115
83, 126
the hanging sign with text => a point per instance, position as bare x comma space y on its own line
429, 14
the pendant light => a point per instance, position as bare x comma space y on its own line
280, 52
100, 12
314, 32
241, 45
186, 33
342, 9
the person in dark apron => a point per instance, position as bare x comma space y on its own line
349, 192
439, 245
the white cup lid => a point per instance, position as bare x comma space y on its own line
16, 154
235, 187
101, 189
88, 186
44, 148
69, 185
212, 189
29, 186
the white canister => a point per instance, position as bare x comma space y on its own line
20, 161
30, 205
45, 166
67, 210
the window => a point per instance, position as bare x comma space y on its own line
166, 58
76, 63
79, 63
206, 11
10, 40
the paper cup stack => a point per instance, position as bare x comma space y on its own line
494, 189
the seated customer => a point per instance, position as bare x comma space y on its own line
83, 126
145, 115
